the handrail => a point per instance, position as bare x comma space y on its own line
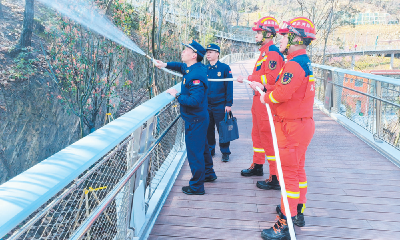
117, 188
359, 74
368, 100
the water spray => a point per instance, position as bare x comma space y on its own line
81, 12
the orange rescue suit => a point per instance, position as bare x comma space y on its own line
292, 98
267, 68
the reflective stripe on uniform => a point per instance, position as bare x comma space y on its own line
293, 194
264, 79
272, 98
303, 208
302, 184
271, 158
311, 78
261, 61
259, 150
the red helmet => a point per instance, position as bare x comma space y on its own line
300, 26
266, 24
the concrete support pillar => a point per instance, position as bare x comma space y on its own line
353, 62
391, 61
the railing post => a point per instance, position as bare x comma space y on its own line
391, 61
337, 78
132, 157
328, 89
378, 134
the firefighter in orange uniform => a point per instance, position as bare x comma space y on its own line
292, 98
265, 72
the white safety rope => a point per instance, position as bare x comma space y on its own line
277, 156
279, 166
275, 143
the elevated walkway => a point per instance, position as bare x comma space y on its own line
353, 190
118, 182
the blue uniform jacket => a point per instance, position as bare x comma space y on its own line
193, 98
220, 92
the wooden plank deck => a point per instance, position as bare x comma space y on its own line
353, 191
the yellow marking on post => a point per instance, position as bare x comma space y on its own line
94, 189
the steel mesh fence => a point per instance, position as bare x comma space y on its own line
374, 105
65, 212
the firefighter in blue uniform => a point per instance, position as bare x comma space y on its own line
220, 98
193, 106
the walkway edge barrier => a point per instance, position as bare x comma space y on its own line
24, 194
161, 195
391, 153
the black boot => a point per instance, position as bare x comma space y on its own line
212, 152
280, 231
254, 169
271, 183
298, 220
225, 157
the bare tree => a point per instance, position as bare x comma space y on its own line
1, 10
26, 34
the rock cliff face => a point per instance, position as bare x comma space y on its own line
32, 126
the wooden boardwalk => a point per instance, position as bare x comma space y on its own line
353, 193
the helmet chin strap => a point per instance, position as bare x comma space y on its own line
291, 37
260, 42
264, 33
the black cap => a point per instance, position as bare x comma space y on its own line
196, 47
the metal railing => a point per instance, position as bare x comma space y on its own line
99, 187
236, 57
361, 50
235, 37
371, 101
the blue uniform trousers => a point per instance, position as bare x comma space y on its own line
217, 114
198, 154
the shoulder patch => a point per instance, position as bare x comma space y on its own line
287, 77
230, 72
196, 82
272, 65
